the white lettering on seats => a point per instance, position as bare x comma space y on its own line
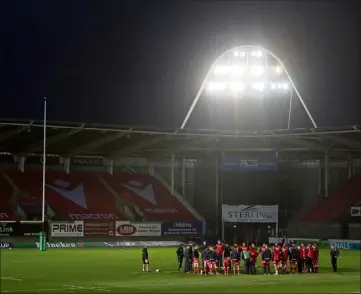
93, 216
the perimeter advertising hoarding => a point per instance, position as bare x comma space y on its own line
235, 164
182, 228
67, 229
20, 230
250, 213
128, 229
99, 228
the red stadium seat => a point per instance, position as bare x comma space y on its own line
336, 204
6, 208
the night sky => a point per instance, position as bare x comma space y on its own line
142, 62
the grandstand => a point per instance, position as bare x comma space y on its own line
129, 173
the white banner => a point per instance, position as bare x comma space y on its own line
137, 229
250, 213
67, 229
356, 211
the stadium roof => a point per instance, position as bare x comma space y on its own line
67, 139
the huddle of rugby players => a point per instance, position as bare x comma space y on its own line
298, 259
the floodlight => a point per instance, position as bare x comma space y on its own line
236, 70
237, 54
221, 70
285, 86
257, 53
278, 69
216, 86
237, 87
257, 70
273, 86
279, 86
258, 86
243, 54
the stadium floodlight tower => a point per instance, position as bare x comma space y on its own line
249, 71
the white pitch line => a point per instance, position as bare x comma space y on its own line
36, 290
74, 287
11, 279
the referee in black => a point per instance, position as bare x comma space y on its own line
334, 254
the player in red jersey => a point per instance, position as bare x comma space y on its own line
316, 254
219, 253
226, 265
262, 249
244, 247
309, 258
302, 261
253, 259
276, 257
196, 261
284, 259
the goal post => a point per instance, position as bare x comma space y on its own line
42, 234
249, 214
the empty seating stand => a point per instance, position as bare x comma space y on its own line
337, 204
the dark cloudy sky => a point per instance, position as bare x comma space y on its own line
142, 62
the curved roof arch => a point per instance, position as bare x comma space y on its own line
215, 62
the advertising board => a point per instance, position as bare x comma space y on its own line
99, 228
137, 229
182, 228
67, 229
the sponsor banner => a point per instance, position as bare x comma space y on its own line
67, 229
137, 229
88, 161
249, 164
182, 228
93, 244
273, 240
250, 213
346, 244
6, 245
99, 228
93, 216
140, 244
19, 229
356, 211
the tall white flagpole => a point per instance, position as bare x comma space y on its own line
44, 166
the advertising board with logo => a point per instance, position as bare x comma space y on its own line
99, 228
182, 228
88, 161
250, 213
67, 229
137, 229
19, 230
249, 164
346, 244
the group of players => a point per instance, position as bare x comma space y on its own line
210, 259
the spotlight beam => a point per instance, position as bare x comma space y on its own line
201, 89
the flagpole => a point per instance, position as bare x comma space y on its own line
44, 166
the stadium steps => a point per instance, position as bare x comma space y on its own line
178, 196
333, 207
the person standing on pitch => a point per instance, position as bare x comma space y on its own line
187, 260
180, 255
145, 259
334, 254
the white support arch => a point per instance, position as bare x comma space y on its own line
200, 91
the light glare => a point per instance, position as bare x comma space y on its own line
257, 70
237, 87
214, 86
278, 69
221, 70
258, 86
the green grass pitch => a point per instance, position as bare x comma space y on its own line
117, 270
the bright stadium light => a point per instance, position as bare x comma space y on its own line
257, 53
254, 74
216, 86
257, 70
278, 69
237, 87
221, 70
258, 86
